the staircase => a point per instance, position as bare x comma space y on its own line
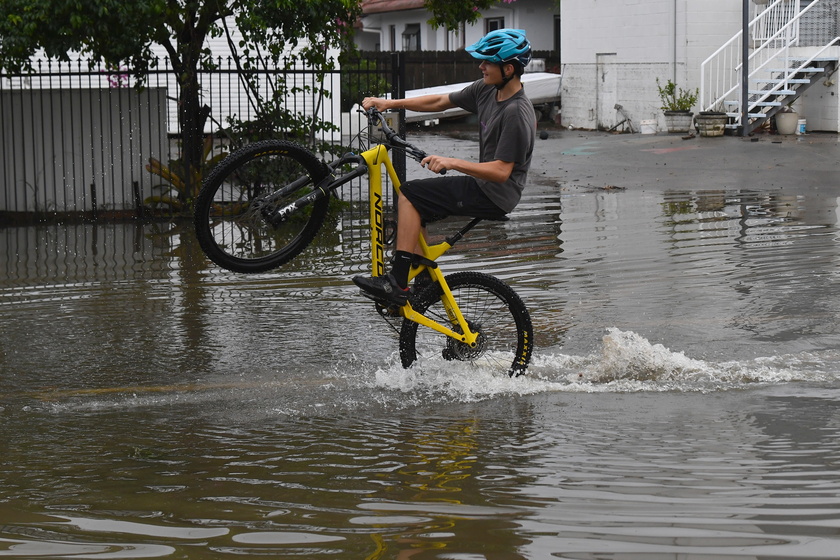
782, 63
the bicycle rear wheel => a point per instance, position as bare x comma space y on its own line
247, 185
491, 307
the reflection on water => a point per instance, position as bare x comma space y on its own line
681, 401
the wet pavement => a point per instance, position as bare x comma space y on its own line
682, 401
788, 163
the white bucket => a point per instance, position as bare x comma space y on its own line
800, 126
648, 127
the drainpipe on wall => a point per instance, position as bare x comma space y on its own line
674, 45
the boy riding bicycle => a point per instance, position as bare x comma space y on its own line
489, 188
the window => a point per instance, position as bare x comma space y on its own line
492, 24
411, 37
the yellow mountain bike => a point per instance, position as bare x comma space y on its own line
264, 203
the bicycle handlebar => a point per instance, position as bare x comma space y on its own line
392, 137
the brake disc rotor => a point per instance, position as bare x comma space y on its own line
457, 350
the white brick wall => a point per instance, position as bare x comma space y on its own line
635, 91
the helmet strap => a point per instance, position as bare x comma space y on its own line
505, 79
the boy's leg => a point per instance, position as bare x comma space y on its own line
409, 224
394, 285
437, 198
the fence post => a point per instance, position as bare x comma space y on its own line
398, 92
138, 200
95, 210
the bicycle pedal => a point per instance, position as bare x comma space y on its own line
378, 301
388, 311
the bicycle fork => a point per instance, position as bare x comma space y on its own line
328, 184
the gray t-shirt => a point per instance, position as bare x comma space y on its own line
507, 133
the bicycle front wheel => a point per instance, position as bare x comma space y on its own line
491, 307
231, 209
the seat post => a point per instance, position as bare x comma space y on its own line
474, 222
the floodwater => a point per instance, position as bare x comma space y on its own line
682, 402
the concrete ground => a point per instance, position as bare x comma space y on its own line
601, 160
640, 161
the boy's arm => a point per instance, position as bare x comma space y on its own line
421, 104
496, 171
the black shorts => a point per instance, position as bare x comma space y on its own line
439, 197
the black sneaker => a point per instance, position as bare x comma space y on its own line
382, 288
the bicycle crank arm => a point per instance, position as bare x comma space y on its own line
469, 338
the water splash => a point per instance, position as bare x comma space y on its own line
625, 362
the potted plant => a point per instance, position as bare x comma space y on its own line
786, 120
676, 104
711, 122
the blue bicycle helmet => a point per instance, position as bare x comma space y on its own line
503, 46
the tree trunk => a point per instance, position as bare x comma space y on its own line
191, 114
192, 117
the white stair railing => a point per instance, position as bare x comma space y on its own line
771, 34
782, 87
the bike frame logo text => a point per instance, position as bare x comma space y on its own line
378, 236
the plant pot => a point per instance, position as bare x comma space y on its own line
786, 123
678, 121
711, 123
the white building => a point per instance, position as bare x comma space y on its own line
75, 140
612, 51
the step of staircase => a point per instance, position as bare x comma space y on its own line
780, 92
813, 70
782, 80
762, 104
817, 59
734, 115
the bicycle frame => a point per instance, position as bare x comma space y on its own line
375, 158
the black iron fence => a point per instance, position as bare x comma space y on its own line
85, 143
423, 69
82, 142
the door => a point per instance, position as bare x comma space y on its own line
606, 90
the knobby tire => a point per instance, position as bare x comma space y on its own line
489, 306
230, 209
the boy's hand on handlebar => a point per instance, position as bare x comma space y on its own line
438, 164
378, 102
